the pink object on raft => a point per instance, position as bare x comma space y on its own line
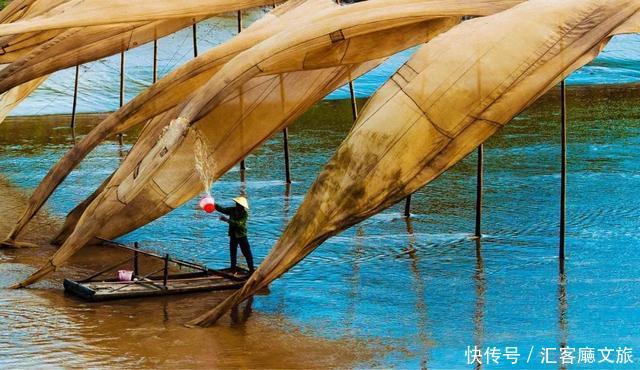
125, 275
208, 204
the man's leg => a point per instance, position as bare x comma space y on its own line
246, 251
233, 252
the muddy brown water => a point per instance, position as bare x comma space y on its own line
44, 327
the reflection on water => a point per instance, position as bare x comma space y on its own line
422, 319
481, 288
418, 288
562, 307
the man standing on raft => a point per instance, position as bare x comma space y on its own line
237, 221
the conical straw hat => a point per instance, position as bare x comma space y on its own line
242, 201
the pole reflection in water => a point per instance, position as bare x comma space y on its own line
122, 153
75, 104
243, 184
481, 288
562, 308
286, 205
165, 313
240, 317
419, 290
355, 279
286, 208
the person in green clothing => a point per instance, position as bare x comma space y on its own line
237, 221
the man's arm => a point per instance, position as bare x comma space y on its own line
224, 210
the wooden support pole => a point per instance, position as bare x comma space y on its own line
354, 102
285, 135
166, 270
122, 65
563, 175
479, 185
122, 60
136, 264
242, 164
407, 206
155, 61
195, 40
75, 104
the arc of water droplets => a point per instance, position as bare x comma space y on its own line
204, 162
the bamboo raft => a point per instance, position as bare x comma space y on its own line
159, 282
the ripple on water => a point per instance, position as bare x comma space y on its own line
36, 334
422, 284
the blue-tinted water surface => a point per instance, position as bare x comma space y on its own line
419, 286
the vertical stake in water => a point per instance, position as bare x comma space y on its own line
285, 135
407, 206
75, 104
563, 175
479, 185
166, 270
121, 88
242, 164
354, 102
136, 268
195, 40
155, 61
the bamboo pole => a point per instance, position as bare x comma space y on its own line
122, 60
155, 61
479, 185
75, 104
354, 102
136, 264
195, 40
407, 206
285, 135
122, 66
242, 164
166, 270
563, 176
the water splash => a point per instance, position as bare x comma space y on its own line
204, 162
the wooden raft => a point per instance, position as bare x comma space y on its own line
159, 282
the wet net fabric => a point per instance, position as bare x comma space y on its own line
80, 45
11, 46
10, 99
159, 98
334, 46
81, 13
443, 103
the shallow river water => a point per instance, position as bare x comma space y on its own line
389, 292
